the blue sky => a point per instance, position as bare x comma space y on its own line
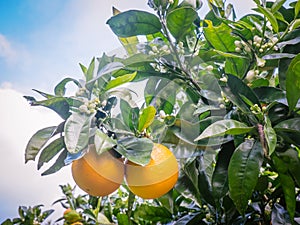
41, 42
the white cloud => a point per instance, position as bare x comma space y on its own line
22, 184
6, 51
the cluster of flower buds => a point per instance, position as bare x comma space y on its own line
241, 46
90, 107
81, 91
265, 45
156, 50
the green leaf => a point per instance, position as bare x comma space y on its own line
277, 5
129, 43
269, 94
270, 17
290, 125
130, 115
293, 82
235, 89
270, 135
290, 160
59, 163
133, 23
180, 21
288, 187
50, 151
103, 142
220, 175
243, 172
223, 127
146, 118
297, 8
137, 150
77, 132
120, 80
153, 214
90, 71
219, 37
37, 141
59, 105
60, 88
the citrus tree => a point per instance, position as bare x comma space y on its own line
220, 92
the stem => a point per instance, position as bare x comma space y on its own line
174, 50
263, 140
131, 199
97, 210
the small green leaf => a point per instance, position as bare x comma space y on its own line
180, 21
60, 88
270, 135
58, 104
59, 163
130, 115
290, 125
270, 17
293, 82
277, 5
146, 118
120, 80
50, 151
220, 174
133, 23
90, 71
288, 187
103, 142
137, 150
37, 141
77, 132
223, 127
297, 9
243, 172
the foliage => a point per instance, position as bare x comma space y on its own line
222, 93
30, 215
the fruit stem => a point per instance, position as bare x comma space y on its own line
131, 199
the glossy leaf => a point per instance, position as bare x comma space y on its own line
60, 88
291, 161
297, 8
120, 80
50, 151
180, 21
59, 163
290, 125
288, 187
153, 214
270, 135
243, 171
103, 142
269, 94
137, 150
293, 82
134, 22
270, 17
37, 141
130, 115
223, 127
146, 118
220, 175
77, 132
235, 89
277, 5
90, 71
219, 37
59, 105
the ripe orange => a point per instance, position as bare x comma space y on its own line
98, 175
156, 178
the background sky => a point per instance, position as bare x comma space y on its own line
41, 42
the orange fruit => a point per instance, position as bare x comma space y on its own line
156, 178
98, 175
